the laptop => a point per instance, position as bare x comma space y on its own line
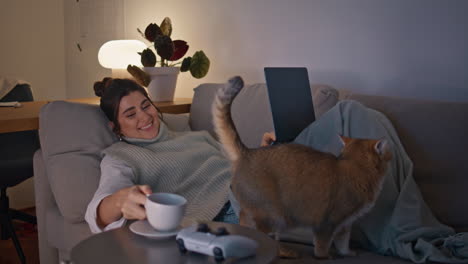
290, 99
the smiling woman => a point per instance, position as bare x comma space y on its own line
127, 104
138, 117
151, 158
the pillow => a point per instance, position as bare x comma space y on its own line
72, 136
251, 109
324, 98
200, 110
177, 122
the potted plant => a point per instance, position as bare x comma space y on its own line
161, 81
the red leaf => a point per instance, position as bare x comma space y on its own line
180, 49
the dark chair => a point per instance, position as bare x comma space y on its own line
16, 165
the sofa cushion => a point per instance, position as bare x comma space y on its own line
177, 122
434, 136
251, 109
72, 137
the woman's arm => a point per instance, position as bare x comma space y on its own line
126, 202
117, 197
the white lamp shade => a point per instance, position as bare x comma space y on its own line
118, 54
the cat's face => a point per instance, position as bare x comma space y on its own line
372, 150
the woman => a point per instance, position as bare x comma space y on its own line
151, 158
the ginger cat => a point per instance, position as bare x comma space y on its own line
291, 185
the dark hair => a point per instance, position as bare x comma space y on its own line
111, 92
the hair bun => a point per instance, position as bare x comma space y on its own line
100, 87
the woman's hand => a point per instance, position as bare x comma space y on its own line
134, 199
127, 202
267, 139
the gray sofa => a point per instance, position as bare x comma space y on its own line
72, 135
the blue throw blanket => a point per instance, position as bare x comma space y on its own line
400, 223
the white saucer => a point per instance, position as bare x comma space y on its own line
143, 228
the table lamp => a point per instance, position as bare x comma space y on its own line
118, 54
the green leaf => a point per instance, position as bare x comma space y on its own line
148, 58
164, 46
199, 65
166, 27
186, 64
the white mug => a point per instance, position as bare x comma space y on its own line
165, 210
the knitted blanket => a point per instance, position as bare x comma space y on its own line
400, 223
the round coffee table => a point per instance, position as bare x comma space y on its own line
123, 246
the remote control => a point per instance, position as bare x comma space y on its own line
219, 243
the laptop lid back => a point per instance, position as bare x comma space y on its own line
290, 101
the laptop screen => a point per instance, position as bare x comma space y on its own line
290, 101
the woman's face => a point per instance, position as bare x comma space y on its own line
138, 118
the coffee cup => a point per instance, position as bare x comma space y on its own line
165, 211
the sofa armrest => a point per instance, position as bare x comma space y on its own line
44, 201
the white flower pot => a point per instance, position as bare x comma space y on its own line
163, 82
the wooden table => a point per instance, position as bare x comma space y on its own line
26, 117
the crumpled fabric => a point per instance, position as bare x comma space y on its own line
400, 223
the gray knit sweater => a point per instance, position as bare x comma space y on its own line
187, 163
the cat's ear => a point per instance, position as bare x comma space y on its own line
344, 140
381, 147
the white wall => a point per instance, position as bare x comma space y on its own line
408, 48
89, 23
412, 48
32, 45
32, 49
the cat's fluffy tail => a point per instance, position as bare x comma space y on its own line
222, 119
